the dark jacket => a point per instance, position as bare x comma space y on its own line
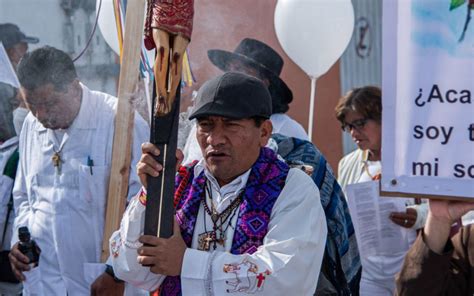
451, 273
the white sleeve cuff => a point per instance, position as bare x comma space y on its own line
195, 264
421, 215
195, 270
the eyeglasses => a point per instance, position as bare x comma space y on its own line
356, 124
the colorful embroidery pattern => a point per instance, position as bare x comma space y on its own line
247, 278
187, 201
265, 182
115, 246
142, 197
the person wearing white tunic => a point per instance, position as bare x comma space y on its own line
60, 190
202, 257
360, 113
8, 166
8, 161
7, 149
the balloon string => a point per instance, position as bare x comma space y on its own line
91, 35
311, 108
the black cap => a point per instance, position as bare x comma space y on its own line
233, 95
10, 35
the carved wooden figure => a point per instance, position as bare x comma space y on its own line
168, 28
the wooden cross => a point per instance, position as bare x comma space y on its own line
122, 146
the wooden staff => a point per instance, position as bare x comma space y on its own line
168, 29
121, 151
160, 191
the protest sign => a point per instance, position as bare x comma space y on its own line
428, 111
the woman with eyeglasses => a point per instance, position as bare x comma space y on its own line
360, 114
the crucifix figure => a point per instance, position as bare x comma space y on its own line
168, 28
56, 159
205, 239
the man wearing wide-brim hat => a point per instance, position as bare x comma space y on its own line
257, 59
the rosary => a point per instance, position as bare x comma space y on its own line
207, 238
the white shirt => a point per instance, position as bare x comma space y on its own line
192, 150
6, 186
287, 126
289, 259
65, 211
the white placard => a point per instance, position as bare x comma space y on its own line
428, 93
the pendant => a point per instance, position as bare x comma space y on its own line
221, 239
56, 159
205, 239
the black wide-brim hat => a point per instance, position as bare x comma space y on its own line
260, 56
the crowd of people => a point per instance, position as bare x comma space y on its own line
258, 210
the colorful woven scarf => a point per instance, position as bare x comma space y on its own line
266, 181
341, 264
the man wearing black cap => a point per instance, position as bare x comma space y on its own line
341, 265
15, 43
246, 223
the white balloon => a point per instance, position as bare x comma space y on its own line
108, 28
314, 33
107, 25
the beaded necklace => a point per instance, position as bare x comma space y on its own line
218, 220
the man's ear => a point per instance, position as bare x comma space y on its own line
74, 88
265, 132
76, 84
